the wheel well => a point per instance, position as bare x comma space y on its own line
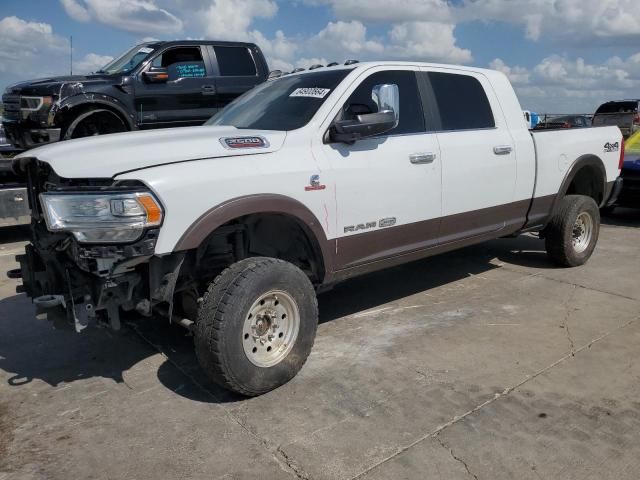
273, 235
71, 113
588, 181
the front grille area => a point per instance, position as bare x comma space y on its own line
11, 104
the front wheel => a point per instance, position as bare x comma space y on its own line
572, 233
256, 325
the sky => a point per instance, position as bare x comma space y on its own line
562, 56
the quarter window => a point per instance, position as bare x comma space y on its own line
462, 102
411, 115
235, 61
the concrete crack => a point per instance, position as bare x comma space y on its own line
281, 458
496, 397
299, 472
456, 458
577, 285
565, 324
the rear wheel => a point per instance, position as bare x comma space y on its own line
572, 233
256, 325
95, 122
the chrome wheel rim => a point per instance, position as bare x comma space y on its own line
582, 232
270, 328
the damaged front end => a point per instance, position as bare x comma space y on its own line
92, 246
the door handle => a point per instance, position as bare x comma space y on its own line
503, 149
421, 158
208, 90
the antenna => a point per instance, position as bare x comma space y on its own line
71, 54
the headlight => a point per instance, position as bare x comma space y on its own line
32, 104
101, 217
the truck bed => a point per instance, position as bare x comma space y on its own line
557, 150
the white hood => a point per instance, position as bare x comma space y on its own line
109, 155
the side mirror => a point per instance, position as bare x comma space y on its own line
387, 99
156, 75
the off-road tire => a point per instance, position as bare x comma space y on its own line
559, 233
218, 334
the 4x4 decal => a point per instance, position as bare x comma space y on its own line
611, 147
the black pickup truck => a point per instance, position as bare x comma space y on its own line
153, 85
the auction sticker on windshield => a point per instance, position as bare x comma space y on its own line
311, 92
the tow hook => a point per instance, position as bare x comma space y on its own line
50, 301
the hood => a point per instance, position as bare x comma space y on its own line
53, 85
107, 156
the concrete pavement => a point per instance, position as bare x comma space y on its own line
486, 363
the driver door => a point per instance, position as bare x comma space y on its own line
388, 187
187, 97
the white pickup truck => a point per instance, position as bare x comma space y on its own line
231, 228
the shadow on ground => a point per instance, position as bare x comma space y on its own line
31, 349
623, 217
14, 234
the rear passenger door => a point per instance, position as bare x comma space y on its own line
237, 72
186, 98
477, 155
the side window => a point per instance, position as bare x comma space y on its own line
462, 102
182, 62
235, 62
411, 115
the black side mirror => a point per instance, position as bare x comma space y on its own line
387, 100
156, 75
367, 125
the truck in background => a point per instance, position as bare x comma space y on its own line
153, 85
623, 114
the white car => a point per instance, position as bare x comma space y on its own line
231, 228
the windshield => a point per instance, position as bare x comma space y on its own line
287, 103
129, 60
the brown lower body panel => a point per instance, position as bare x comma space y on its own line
367, 252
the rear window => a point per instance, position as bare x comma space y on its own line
618, 107
235, 61
462, 102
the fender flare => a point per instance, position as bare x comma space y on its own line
254, 204
588, 160
97, 99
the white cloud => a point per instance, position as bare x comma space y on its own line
344, 38
137, 16
230, 19
427, 41
575, 21
22, 45
517, 75
561, 85
91, 62
382, 11
76, 11
603, 21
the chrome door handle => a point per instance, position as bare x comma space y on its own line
502, 150
419, 158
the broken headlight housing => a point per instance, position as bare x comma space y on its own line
101, 217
